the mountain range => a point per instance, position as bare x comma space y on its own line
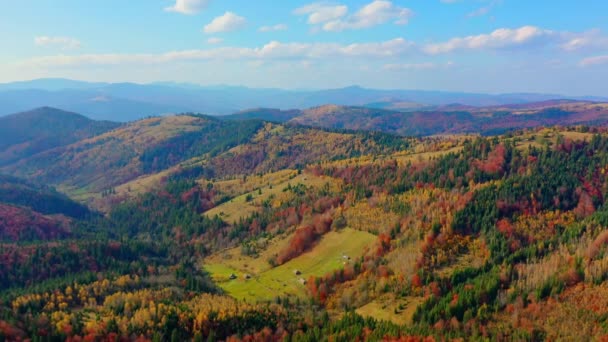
129, 101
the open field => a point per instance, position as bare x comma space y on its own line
397, 310
271, 186
401, 157
325, 257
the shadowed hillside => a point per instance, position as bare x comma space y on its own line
25, 134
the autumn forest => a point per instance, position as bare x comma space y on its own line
194, 227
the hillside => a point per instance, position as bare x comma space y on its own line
366, 234
22, 224
450, 119
25, 134
35, 212
112, 158
39, 198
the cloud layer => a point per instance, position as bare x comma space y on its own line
498, 39
273, 50
65, 43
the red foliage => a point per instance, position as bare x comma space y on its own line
205, 198
416, 281
305, 237
585, 205
322, 223
495, 161
505, 227
302, 240
17, 223
597, 244
325, 203
10, 332
383, 271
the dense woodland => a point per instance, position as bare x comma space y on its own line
473, 238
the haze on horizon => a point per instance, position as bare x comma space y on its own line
487, 46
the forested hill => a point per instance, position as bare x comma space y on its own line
25, 134
40, 198
303, 233
36, 212
451, 119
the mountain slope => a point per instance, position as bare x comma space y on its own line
43, 199
30, 211
146, 146
25, 134
453, 119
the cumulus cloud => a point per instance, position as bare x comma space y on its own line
333, 17
61, 42
592, 61
225, 23
271, 51
526, 36
277, 27
498, 39
214, 40
188, 6
321, 12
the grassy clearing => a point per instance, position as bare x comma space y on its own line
233, 259
396, 310
327, 256
250, 201
401, 157
549, 136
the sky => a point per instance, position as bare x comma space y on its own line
488, 46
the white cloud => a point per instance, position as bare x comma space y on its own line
188, 6
272, 51
377, 12
481, 11
593, 39
214, 40
410, 66
277, 27
225, 23
321, 12
499, 39
61, 42
417, 66
591, 61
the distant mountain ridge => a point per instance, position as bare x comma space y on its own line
27, 133
451, 119
129, 101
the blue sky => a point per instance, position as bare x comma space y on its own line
555, 46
